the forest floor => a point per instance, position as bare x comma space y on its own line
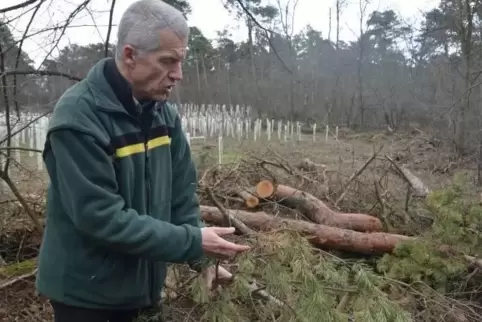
347, 275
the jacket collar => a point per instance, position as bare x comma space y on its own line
112, 92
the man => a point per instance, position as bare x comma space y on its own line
122, 198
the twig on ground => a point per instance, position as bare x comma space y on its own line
18, 279
256, 289
239, 225
245, 230
356, 175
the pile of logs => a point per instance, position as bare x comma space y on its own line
326, 228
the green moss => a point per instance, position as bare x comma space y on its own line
18, 269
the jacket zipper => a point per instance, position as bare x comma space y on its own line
150, 269
147, 177
148, 210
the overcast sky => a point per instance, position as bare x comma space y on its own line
209, 15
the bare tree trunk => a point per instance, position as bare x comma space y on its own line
207, 92
339, 4
329, 25
361, 44
198, 76
465, 29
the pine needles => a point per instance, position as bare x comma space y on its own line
309, 283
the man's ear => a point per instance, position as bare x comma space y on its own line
129, 54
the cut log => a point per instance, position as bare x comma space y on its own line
319, 235
265, 189
250, 200
318, 212
420, 189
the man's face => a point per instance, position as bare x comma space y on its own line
153, 75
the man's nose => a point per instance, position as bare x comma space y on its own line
176, 72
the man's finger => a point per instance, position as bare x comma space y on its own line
224, 274
232, 247
209, 277
221, 231
223, 254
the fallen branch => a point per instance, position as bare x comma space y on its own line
319, 235
474, 260
316, 210
255, 289
419, 188
356, 175
228, 217
310, 166
240, 226
233, 199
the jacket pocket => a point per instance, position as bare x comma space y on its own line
105, 270
105, 277
121, 278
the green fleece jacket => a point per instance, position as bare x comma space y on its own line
121, 201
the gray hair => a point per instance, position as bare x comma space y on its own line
142, 19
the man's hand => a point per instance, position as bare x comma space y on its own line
215, 246
209, 275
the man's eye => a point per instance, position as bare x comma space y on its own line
169, 61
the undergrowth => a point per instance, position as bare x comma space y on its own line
312, 286
435, 262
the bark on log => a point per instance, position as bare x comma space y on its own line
318, 212
319, 235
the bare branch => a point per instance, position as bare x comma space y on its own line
267, 33
72, 15
7, 109
40, 73
19, 53
18, 6
111, 17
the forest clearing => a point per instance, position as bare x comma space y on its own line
354, 242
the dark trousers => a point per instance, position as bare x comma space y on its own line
66, 313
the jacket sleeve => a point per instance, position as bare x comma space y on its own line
185, 203
83, 175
